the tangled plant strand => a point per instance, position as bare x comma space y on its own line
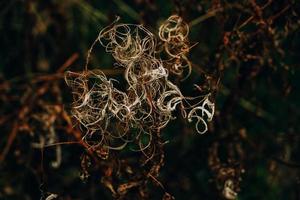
174, 35
114, 118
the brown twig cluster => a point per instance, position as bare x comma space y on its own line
227, 175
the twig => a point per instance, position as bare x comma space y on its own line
69, 62
10, 140
127, 9
204, 17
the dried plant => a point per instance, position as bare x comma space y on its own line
227, 175
112, 119
117, 117
248, 63
174, 35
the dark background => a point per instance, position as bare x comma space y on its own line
247, 54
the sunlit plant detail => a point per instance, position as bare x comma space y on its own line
113, 118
